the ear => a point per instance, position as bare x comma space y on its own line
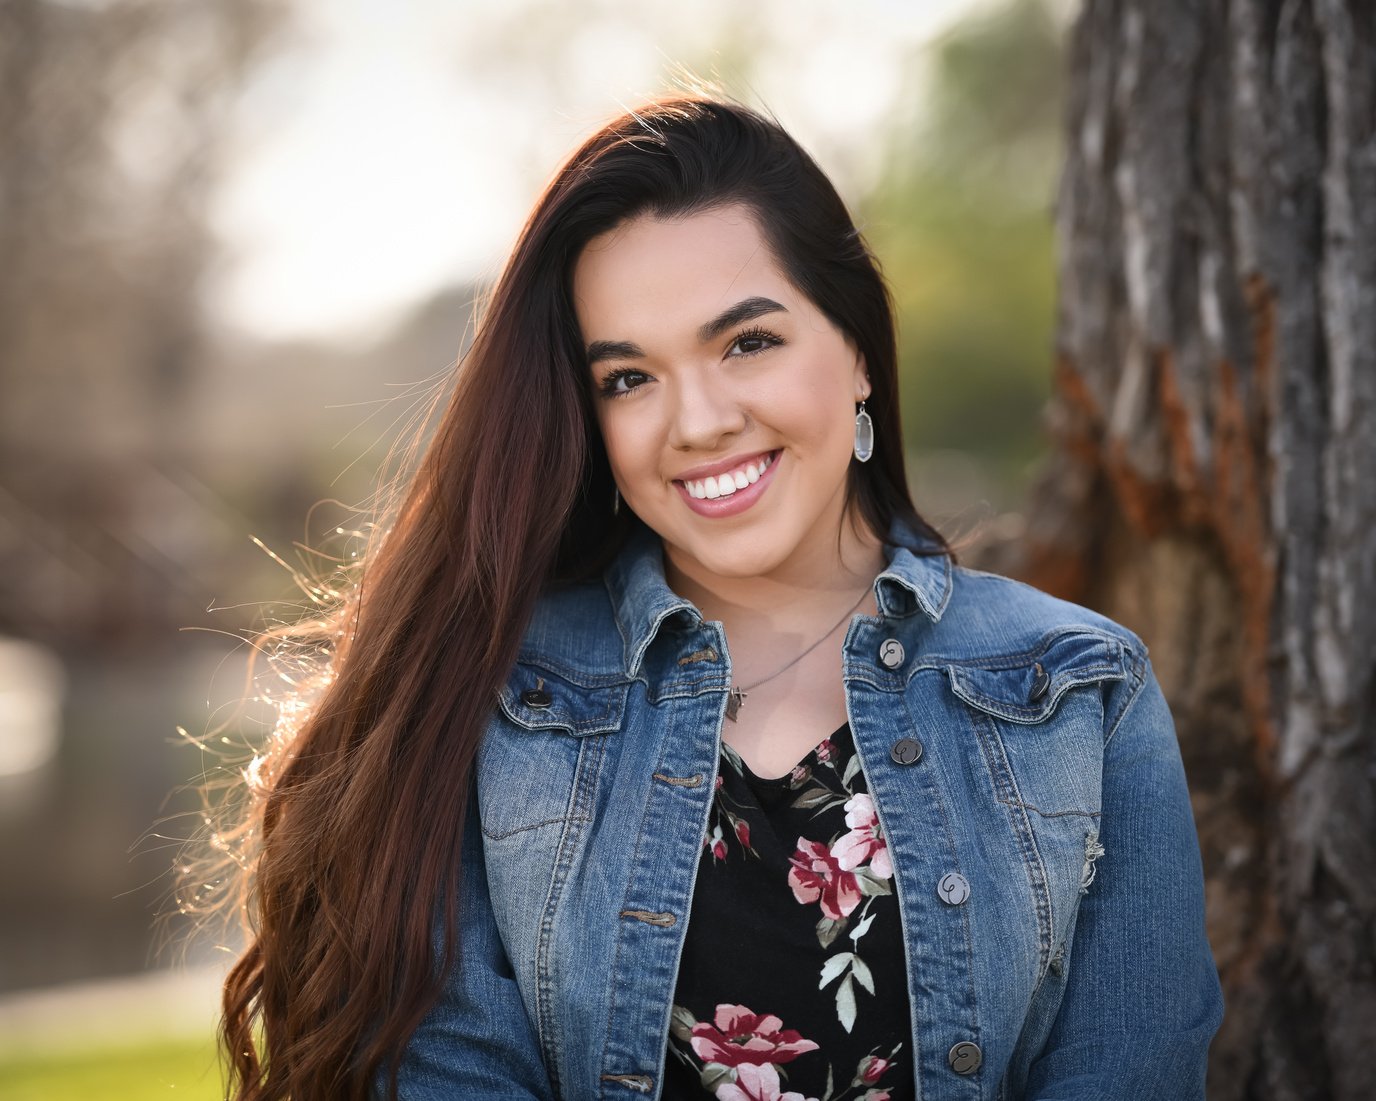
863, 388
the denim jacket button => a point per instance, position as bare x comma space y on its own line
965, 1057
954, 888
1041, 680
536, 697
906, 751
891, 653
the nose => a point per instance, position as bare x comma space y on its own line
705, 414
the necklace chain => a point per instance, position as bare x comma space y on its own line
737, 695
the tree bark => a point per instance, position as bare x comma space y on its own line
1213, 482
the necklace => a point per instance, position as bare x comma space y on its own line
736, 699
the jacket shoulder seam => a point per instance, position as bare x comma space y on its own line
1139, 675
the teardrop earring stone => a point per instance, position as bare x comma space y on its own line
864, 435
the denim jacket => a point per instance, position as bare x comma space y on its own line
1024, 767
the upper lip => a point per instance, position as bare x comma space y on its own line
722, 466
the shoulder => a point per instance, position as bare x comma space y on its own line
990, 612
968, 613
1013, 650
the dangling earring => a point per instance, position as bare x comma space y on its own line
864, 434
616, 500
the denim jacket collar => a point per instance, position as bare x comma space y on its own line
642, 601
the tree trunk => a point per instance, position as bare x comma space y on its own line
1213, 483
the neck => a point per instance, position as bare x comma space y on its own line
827, 574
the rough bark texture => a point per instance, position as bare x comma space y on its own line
1214, 479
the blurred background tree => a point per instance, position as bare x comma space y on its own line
960, 217
109, 116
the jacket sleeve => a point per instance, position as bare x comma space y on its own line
477, 1040
1142, 999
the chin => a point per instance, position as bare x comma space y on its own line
739, 555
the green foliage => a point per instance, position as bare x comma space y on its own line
962, 221
176, 1069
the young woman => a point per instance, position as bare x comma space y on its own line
663, 750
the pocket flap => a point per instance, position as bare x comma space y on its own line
1026, 687
537, 699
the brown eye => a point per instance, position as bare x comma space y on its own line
609, 388
754, 341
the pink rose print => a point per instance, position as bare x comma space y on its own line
757, 1083
817, 876
736, 1037
743, 832
872, 1069
716, 843
863, 842
824, 749
876, 1095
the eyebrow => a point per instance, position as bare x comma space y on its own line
744, 310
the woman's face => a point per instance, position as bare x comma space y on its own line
706, 360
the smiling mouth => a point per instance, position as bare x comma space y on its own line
724, 485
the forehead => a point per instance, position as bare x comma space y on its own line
650, 269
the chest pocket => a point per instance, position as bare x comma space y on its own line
1039, 718
539, 763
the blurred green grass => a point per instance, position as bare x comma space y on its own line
137, 1072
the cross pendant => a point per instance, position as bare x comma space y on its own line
733, 703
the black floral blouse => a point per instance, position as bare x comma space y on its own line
792, 985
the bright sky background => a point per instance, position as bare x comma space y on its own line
388, 149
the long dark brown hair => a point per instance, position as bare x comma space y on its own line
349, 846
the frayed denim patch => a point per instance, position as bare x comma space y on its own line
1093, 850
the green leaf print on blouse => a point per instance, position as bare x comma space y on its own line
741, 1055
727, 816
841, 877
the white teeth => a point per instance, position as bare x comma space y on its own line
710, 488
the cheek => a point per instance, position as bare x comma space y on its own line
816, 410
629, 444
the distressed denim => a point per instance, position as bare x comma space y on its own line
1019, 741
